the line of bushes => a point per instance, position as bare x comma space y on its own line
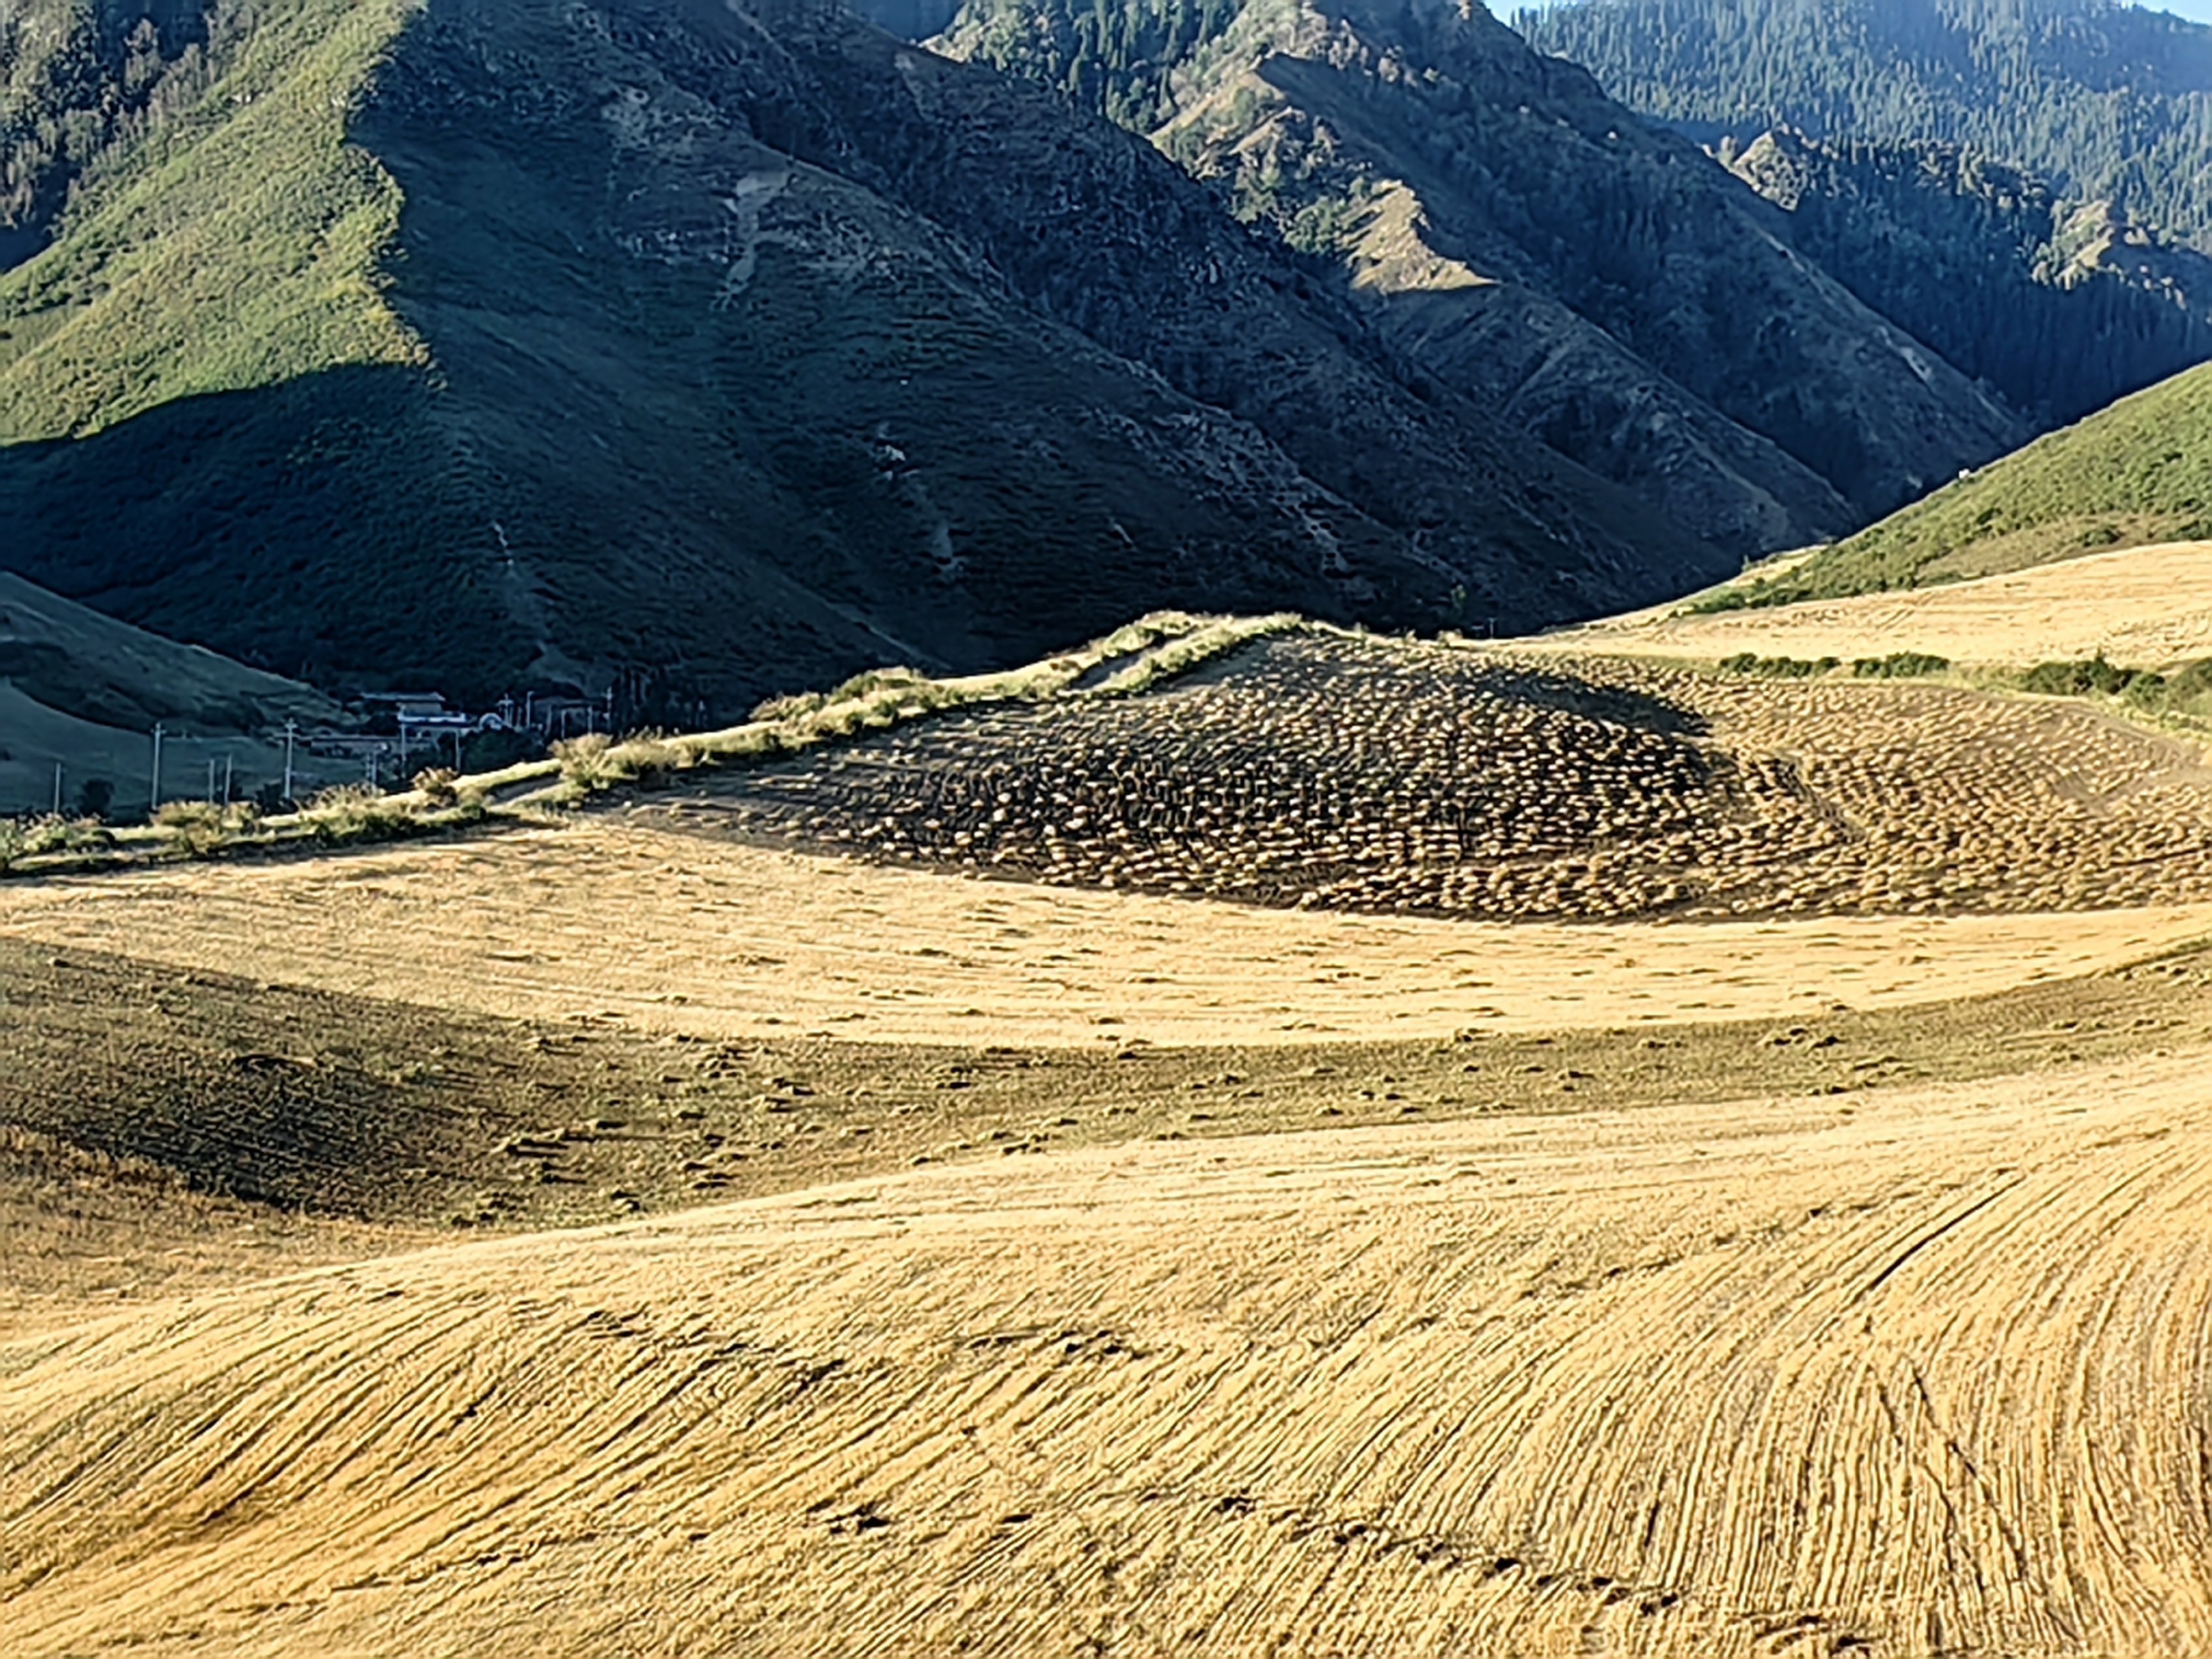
1778, 668
1898, 665
48, 834
1139, 654
2187, 689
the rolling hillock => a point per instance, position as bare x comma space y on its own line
601, 1230
2138, 473
82, 689
712, 353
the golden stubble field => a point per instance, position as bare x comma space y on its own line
1925, 1377
2142, 605
1769, 1219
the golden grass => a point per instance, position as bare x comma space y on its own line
674, 934
1610, 1329
2145, 606
1919, 1373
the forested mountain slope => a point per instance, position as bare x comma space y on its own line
1529, 242
2062, 307
705, 351
2111, 102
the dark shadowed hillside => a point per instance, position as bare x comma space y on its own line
721, 351
2111, 102
2063, 308
1529, 242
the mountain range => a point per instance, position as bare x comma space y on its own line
2109, 101
705, 351
1529, 242
716, 352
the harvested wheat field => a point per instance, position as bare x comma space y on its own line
1366, 1147
1352, 774
1924, 1374
615, 920
2144, 605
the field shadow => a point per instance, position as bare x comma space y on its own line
1547, 688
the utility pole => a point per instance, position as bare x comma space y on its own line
402, 745
226, 779
154, 798
291, 730
210, 780
57, 789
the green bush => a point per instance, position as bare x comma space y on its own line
1899, 665
1778, 668
54, 834
2081, 679
1727, 598
28, 838
355, 812
2191, 680
192, 828
596, 761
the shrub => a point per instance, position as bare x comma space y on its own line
1727, 598
435, 785
192, 828
13, 843
355, 812
789, 708
54, 834
648, 757
1777, 668
2191, 680
583, 761
1899, 665
874, 679
2079, 678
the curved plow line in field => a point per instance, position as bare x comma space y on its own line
1933, 1377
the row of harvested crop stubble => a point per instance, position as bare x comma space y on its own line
1387, 776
